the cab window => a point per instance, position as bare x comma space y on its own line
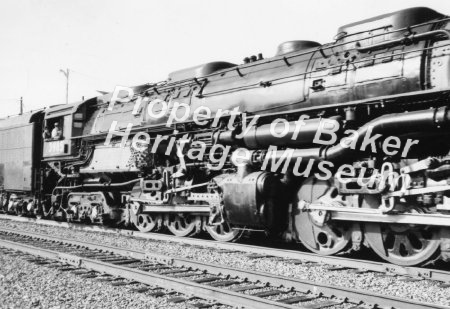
53, 129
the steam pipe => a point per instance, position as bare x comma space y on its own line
392, 124
262, 136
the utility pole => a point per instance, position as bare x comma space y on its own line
21, 106
66, 74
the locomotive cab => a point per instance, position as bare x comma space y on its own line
61, 125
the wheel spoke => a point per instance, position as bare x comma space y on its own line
223, 232
323, 239
182, 226
403, 245
145, 223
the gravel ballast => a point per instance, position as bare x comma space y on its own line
424, 290
26, 285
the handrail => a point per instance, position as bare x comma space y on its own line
103, 185
404, 40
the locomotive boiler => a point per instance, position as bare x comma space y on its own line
336, 146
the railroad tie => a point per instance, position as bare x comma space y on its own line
185, 275
159, 293
256, 256
224, 283
201, 305
125, 282
177, 299
268, 293
246, 288
410, 279
296, 299
337, 268
140, 290
174, 271
208, 279
324, 304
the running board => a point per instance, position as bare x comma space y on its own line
374, 215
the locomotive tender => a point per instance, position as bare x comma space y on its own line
386, 79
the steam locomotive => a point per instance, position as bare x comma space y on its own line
383, 83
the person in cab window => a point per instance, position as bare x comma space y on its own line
56, 132
46, 133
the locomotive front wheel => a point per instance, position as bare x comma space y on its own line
223, 232
146, 223
183, 225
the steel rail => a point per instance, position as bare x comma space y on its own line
224, 296
374, 266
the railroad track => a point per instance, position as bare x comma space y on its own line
195, 280
335, 262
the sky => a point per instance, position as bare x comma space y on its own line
105, 43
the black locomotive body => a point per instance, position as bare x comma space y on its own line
227, 148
